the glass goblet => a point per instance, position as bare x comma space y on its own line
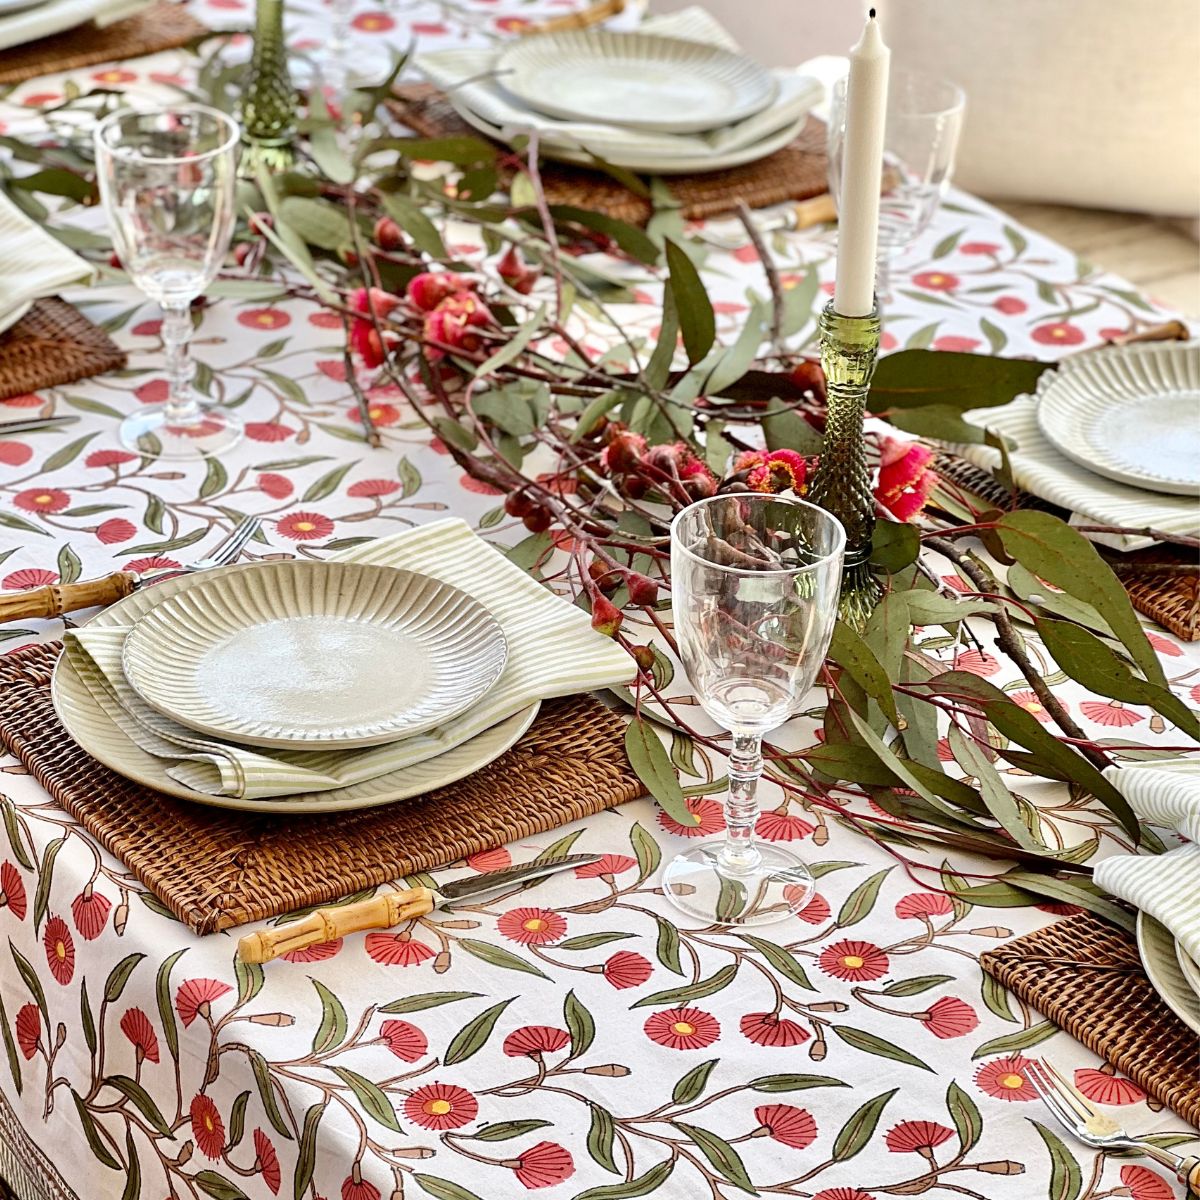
754, 591
167, 182
920, 143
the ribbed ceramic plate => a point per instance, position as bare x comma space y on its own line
636, 80
314, 655
1130, 413
650, 164
1189, 967
1157, 948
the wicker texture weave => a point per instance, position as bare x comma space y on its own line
215, 868
52, 344
1087, 977
1171, 597
796, 172
162, 27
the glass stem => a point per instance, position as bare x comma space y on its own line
739, 853
181, 407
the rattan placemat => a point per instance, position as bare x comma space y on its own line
1169, 596
52, 344
1086, 976
796, 172
162, 27
215, 868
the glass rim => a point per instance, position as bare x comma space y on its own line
958, 92
129, 155
794, 501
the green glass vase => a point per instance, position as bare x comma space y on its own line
842, 484
269, 102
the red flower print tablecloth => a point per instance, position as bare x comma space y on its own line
573, 1040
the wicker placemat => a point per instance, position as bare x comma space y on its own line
1086, 976
796, 172
162, 27
1170, 597
52, 344
215, 868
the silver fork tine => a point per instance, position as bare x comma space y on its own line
1067, 1091
1050, 1100
232, 546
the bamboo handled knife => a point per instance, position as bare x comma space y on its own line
382, 912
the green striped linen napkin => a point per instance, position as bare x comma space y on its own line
1167, 886
552, 651
1038, 467
33, 264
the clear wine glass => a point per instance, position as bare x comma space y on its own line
924, 120
167, 181
754, 591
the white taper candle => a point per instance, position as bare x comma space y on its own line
862, 169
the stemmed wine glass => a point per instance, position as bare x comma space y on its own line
920, 143
754, 590
167, 181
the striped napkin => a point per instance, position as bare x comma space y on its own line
552, 651
33, 264
61, 15
1166, 885
1038, 467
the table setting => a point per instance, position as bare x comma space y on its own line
503, 697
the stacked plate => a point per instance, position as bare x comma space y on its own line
1172, 971
644, 101
283, 667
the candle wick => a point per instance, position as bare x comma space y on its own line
870, 14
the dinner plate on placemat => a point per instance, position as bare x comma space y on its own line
1129, 413
1189, 967
635, 80
1157, 949
315, 655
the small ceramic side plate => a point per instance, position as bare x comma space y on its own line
635, 80
309, 655
1130, 413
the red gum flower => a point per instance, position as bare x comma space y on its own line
60, 950
923, 904
441, 1106
264, 318
278, 487
1113, 714
317, 952
153, 563
115, 530
769, 1029
856, 961
1145, 1184
195, 996
773, 471
396, 949
815, 912
15, 454
372, 487
405, 1041
29, 577
268, 431
90, 910
454, 324
427, 290
683, 1028
711, 819
532, 1040
916, 1137
267, 1161
787, 1124
1104, 1088
1006, 1079
1031, 704
490, 860
109, 458
135, 1025
544, 1165
12, 891
365, 339
1058, 333
29, 1029
626, 969
936, 281
207, 1127
950, 1017
304, 526
842, 1193
606, 864
358, 1189
905, 480
42, 500
1163, 645
782, 827
532, 926
978, 662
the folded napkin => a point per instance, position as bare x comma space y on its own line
1038, 467
1167, 886
61, 15
552, 651
33, 264
464, 76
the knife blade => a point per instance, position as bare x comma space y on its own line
383, 912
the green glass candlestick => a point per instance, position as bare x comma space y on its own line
842, 484
269, 103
